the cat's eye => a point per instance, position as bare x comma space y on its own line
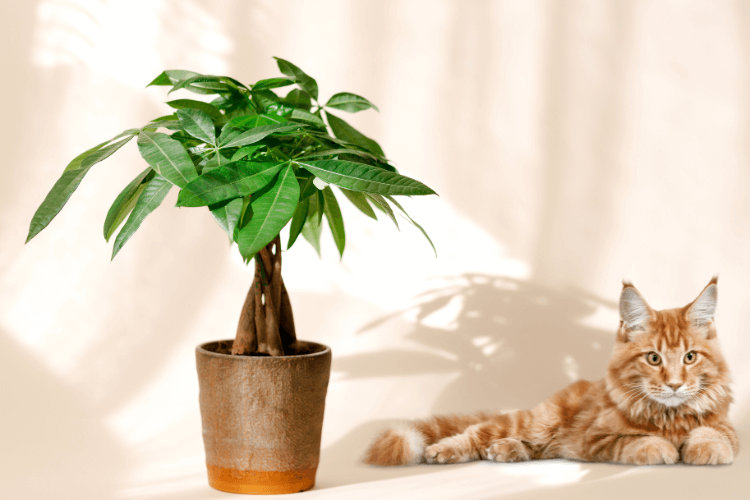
691, 357
653, 358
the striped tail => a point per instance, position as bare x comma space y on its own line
405, 444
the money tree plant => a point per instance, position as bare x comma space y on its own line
258, 161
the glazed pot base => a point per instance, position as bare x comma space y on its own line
260, 482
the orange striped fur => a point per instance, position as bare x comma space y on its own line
664, 398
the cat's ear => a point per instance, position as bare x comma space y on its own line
635, 313
701, 311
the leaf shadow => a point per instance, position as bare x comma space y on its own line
510, 341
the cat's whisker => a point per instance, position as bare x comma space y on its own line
637, 390
632, 393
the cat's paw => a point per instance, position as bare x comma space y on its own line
442, 453
507, 450
707, 446
651, 451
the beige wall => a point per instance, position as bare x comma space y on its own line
572, 143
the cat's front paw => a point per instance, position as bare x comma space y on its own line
707, 446
507, 450
442, 453
651, 451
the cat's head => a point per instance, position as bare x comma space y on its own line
668, 359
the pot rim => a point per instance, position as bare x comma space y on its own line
200, 348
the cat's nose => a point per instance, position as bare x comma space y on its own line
674, 387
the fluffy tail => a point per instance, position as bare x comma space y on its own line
405, 444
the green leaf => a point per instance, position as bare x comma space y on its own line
272, 83
317, 207
335, 152
204, 84
75, 163
306, 184
168, 157
298, 220
359, 200
245, 151
383, 206
169, 122
307, 83
202, 151
227, 214
233, 103
124, 210
350, 102
164, 118
125, 202
205, 88
187, 140
233, 181
198, 124
311, 232
307, 117
70, 180
252, 121
263, 99
107, 151
272, 208
172, 76
207, 108
162, 79
216, 161
346, 132
55, 200
279, 109
324, 137
155, 192
335, 221
245, 215
362, 158
236, 84
298, 98
398, 205
365, 178
231, 140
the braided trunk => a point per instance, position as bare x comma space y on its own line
266, 325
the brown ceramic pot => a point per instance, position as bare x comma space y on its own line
262, 417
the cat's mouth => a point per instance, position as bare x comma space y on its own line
671, 401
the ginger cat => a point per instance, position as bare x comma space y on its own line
665, 398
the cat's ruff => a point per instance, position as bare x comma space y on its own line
664, 399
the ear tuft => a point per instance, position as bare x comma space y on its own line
635, 313
702, 310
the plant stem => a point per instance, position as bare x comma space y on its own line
266, 322
260, 309
246, 340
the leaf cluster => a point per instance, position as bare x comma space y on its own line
257, 157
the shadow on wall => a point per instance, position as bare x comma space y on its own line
512, 343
